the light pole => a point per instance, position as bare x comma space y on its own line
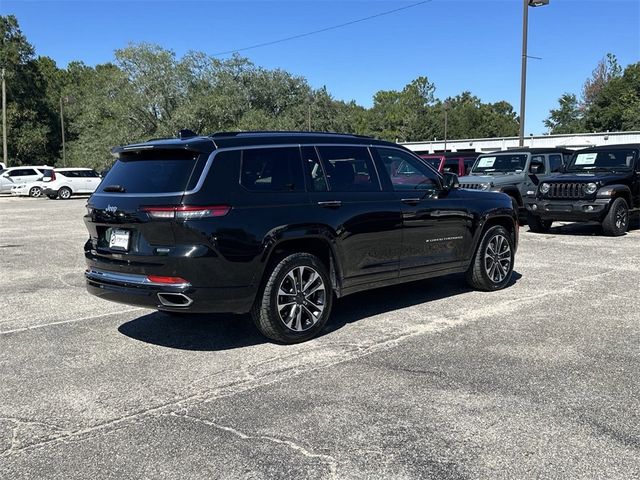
523, 74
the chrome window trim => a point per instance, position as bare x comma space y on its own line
212, 155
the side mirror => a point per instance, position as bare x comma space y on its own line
46, 179
5, 175
536, 167
450, 181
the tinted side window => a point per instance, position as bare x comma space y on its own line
540, 159
71, 173
407, 172
468, 163
349, 169
555, 162
272, 169
451, 166
316, 179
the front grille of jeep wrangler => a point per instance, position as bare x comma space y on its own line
566, 190
470, 186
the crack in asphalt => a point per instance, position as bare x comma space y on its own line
330, 461
19, 423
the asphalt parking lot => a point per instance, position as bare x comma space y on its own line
426, 380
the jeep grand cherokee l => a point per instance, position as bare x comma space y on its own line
600, 184
278, 224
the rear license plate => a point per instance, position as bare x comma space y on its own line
119, 240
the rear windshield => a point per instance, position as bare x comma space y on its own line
154, 172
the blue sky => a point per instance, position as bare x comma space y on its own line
459, 44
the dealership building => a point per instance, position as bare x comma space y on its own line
572, 141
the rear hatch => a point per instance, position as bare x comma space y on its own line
132, 216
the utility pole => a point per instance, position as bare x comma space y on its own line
64, 152
5, 159
523, 73
309, 116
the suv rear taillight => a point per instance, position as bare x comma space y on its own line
186, 212
167, 280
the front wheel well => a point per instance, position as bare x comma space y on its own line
623, 194
505, 222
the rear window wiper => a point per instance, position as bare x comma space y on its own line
114, 188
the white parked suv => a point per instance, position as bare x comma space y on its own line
20, 175
64, 182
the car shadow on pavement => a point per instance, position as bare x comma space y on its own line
587, 229
375, 302
215, 332
201, 332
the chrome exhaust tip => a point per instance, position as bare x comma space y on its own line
174, 299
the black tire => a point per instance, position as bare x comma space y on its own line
616, 223
52, 197
307, 314
537, 225
35, 192
481, 275
64, 193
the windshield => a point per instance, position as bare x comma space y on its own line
603, 160
162, 173
502, 163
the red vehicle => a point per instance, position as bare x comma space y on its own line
459, 163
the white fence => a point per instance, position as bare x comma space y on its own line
573, 141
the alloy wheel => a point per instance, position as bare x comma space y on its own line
497, 258
301, 298
622, 217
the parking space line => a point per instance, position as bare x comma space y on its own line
62, 322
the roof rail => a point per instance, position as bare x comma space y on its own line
280, 132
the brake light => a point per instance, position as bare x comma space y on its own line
186, 212
53, 175
166, 280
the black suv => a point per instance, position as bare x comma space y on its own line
599, 184
278, 223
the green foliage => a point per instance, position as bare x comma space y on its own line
567, 118
147, 92
610, 101
30, 118
617, 104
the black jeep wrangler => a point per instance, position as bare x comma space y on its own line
280, 223
599, 184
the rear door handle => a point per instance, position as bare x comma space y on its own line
411, 201
331, 204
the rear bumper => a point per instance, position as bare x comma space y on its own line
568, 210
136, 290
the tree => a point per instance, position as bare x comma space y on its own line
617, 105
606, 70
567, 118
30, 119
